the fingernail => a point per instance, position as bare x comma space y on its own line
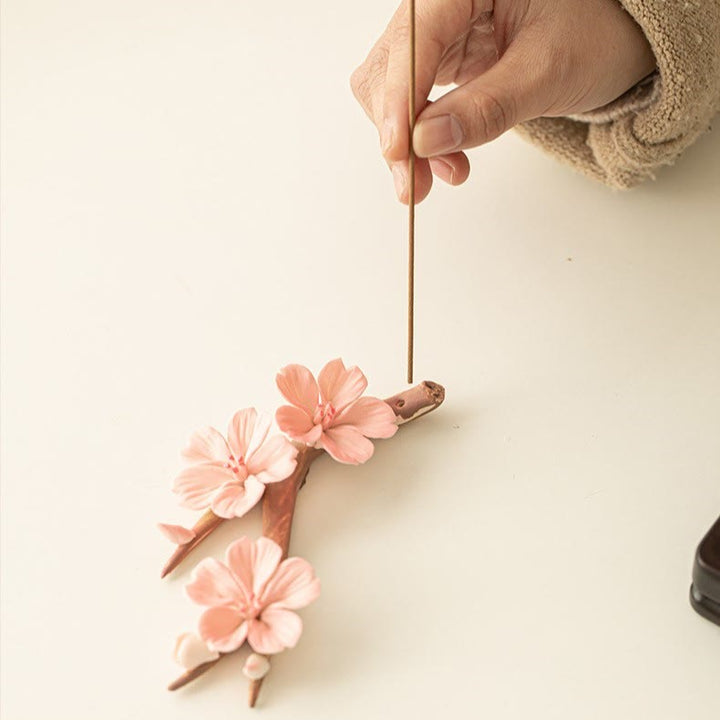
399, 179
437, 135
387, 136
443, 170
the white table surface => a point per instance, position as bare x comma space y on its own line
192, 199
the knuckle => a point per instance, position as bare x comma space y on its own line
363, 83
401, 32
362, 94
379, 61
357, 81
493, 116
370, 77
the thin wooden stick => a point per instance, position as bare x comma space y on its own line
411, 201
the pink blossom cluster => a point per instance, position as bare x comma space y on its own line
251, 596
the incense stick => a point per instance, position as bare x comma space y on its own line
411, 200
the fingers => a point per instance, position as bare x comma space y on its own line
439, 24
454, 169
381, 85
368, 80
513, 90
423, 179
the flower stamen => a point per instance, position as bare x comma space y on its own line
324, 415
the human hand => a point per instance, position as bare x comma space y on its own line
513, 60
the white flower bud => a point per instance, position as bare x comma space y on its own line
190, 651
256, 666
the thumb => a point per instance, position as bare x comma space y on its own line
511, 91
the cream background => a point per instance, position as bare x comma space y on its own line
191, 199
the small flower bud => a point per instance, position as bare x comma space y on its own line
190, 651
256, 667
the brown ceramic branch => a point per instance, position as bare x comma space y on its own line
202, 528
196, 672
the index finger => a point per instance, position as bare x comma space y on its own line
439, 24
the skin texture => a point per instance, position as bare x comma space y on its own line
510, 60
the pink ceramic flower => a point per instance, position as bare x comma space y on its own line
251, 596
229, 476
329, 413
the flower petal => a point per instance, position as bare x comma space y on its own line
370, 416
254, 562
262, 428
296, 423
212, 583
223, 629
262, 638
274, 460
235, 499
313, 436
285, 625
298, 387
239, 558
240, 430
293, 585
190, 651
347, 445
339, 386
206, 445
176, 533
197, 483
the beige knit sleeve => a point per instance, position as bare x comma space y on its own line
626, 142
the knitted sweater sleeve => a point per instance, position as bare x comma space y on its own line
626, 142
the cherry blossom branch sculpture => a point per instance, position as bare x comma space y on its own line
251, 596
407, 405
